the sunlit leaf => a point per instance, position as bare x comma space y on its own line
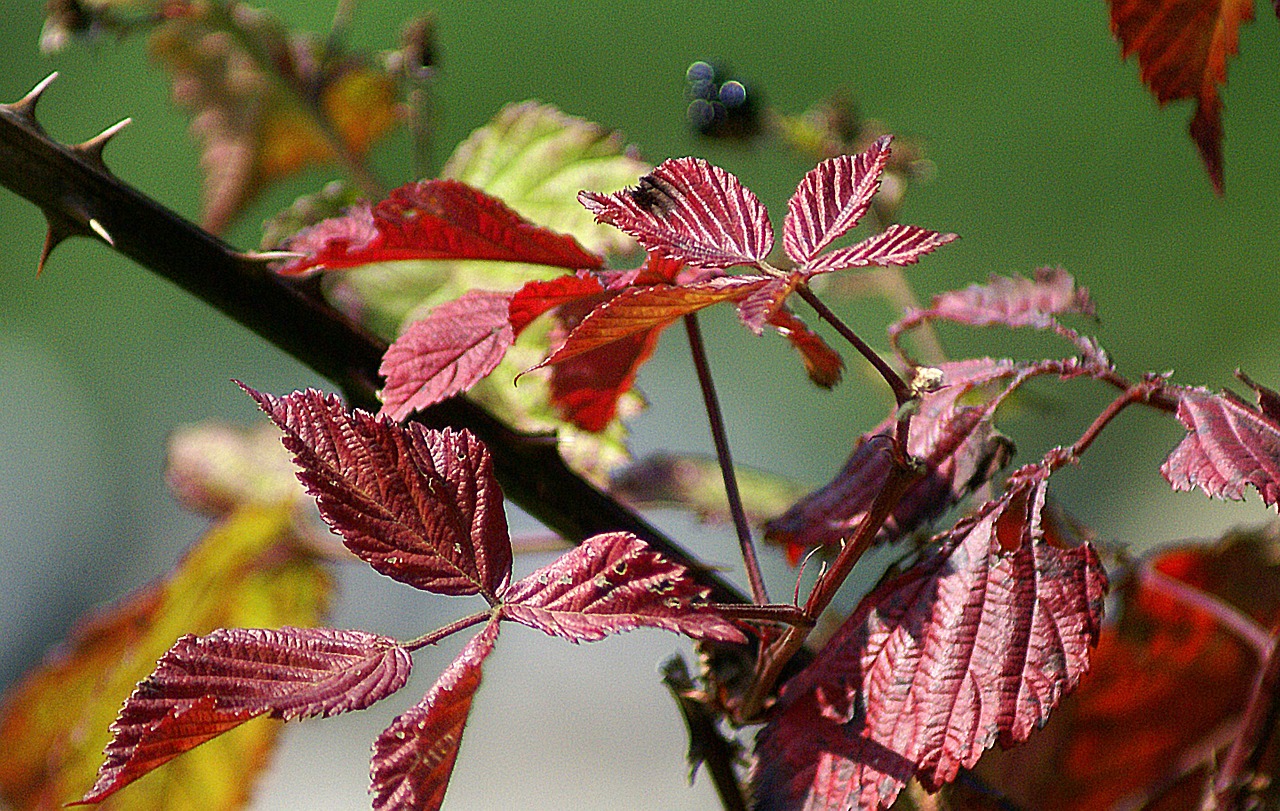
822, 363
973, 645
536, 159
255, 130
1229, 444
896, 245
832, 199
1183, 47
433, 219
249, 571
420, 506
1011, 301
413, 758
691, 210
586, 388
612, 583
205, 686
446, 353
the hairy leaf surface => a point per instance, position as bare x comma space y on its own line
446, 353
246, 571
1011, 301
831, 200
413, 758
1183, 47
205, 686
1229, 444
433, 219
974, 645
419, 506
691, 210
612, 583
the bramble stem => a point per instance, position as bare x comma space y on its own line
901, 391
448, 630
699, 351
1139, 393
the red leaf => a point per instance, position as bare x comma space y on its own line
538, 297
586, 388
1011, 301
831, 200
446, 353
973, 645
613, 583
413, 758
433, 219
641, 309
957, 443
420, 506
690, 210
896, 245
1230, 444
1182, 48
759, 308
205, 686
822, 363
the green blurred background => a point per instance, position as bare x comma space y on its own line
1048, 151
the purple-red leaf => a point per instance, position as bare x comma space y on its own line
896, 245
446, 353
641, 309
957, 443
413, 758
1229, 444
586, 387
538, 297
205, 686
420, 506
690, 210
433, 219
1010, 301
831, 200
973, 645
611, 583
822, 363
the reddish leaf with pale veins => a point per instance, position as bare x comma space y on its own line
960, 449
612, 583
1229, 444
413, 758
433, 219
641, 309
974, 645
1182, 48
446, 353
205, 686
538, 297
1011, 301
831, 200
758, 309
420, 506
896, 245
690, 210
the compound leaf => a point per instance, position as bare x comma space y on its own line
690, 210
611, 583
413, 758
418, 505
1011, 301
205, 686
446, 353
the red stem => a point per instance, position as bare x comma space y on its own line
901, 391
721, 440
448, 630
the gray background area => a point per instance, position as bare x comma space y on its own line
1048, 152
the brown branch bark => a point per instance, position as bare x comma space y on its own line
79, 196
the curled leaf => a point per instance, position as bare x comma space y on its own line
205, 686
1011, 301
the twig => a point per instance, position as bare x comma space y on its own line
718, 435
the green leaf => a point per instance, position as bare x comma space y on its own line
248, 570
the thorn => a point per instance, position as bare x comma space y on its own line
59, 229
25, 107
270, 256
91, 150
98, 228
